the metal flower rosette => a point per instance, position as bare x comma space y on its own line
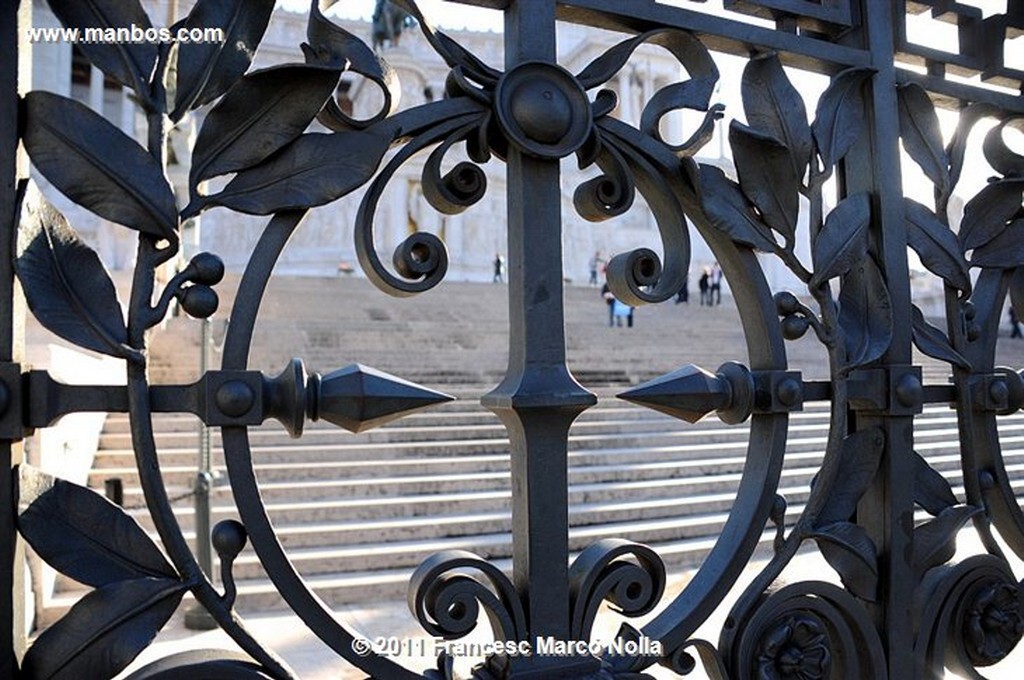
900, 607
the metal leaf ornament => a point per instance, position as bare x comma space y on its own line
65, 284
931, 490
922, 136
83, 535
104, 631
774, 106
861, 454
935, 540
259, 115
937, 246
693, 93
767, 177
88, 538
843, 241
638, 159
988, 213
1004, 251
312, 170
130, 63
1005, 160
957, 148
851, 552
97, 166
865, 314
330, 45
933, 342
205, 70
839, 120
730, 211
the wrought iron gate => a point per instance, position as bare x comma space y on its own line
905, 609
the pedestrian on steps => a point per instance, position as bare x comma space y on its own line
499, 269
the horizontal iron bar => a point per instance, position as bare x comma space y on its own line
952, 94
48, 400
821, 390
717, 33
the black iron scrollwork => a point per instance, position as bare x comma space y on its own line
446, 603
967, 615
622, 156
600, 572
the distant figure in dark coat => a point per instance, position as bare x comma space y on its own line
704, 283
609, 299
499, 268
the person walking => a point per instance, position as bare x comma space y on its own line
595, 265
499, 269
609, 299
620, 311
716, 286
704, 284
1015, 325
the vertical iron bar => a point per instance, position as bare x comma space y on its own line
12, 592
538, 399
204, 478
197, 618
887, 509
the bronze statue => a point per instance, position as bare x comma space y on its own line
388, 23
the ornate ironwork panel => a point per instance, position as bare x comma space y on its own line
825, 171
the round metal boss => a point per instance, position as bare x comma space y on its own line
543, 110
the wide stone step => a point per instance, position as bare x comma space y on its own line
695, 497
686, 492
336, 588
492, 429
410, 475
346, 462
355, 466
393, 584
366, 557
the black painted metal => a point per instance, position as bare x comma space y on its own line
904, 609
9, 44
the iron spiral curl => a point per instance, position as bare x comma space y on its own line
806, 631
446, 598
629, 575
421, 259
610, 194
462, 186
